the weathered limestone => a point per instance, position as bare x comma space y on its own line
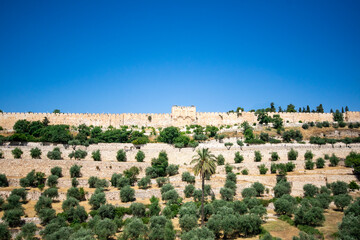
180, 116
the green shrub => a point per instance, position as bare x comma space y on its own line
52, 180
197, 195
74, 182
4, 232
309, 233
238, 157
220, 160
170, 196
33, 179
121, 156
91, 181
169, 134
138, 209
349, 227
326, 157
309, 164
231, 177
305, 126
200, 233
161, 181
35, 153
310, 190
28, 231
273, 167
249, 192
17, 153
308, 155
339, 187
172, 169
325, 124
308, 215
249, 224
353, 186
3, 181
292, 155
245, 172
187, 177
21, 192
106, 228
227, 194
290, 166
320, 163
78, 154
13, 217
107, 211
42, 203
96, 200
57, 171
324, 200
230, 184
258, 156
342, 124
334, 160
160, 164
154, 207
193, 144
96, 155
75, 171
290, 135
353, 160
285, 205
140, 156
342, 200
77, 193
274, 156
188, 222
228, 168
127, 194
151, 172
260, 188
282, 188
263, 169
189, 190
68, 203
55, 154
46, 215
144, 183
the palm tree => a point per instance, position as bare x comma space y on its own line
205, 165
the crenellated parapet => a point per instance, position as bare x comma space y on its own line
179, 116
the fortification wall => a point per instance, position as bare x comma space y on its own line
180, 116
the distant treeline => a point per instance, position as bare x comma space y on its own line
41, 131
292, 108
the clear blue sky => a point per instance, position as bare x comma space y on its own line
145, 56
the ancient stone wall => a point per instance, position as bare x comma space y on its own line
180, 116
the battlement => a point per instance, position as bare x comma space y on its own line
180, 116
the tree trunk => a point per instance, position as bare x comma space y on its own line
202, 199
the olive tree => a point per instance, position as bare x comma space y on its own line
127, 194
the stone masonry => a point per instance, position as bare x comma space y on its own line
179, 116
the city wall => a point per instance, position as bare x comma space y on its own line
179, 116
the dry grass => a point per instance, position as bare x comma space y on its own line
330, 226
281, 229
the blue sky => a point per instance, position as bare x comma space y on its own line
145, 56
